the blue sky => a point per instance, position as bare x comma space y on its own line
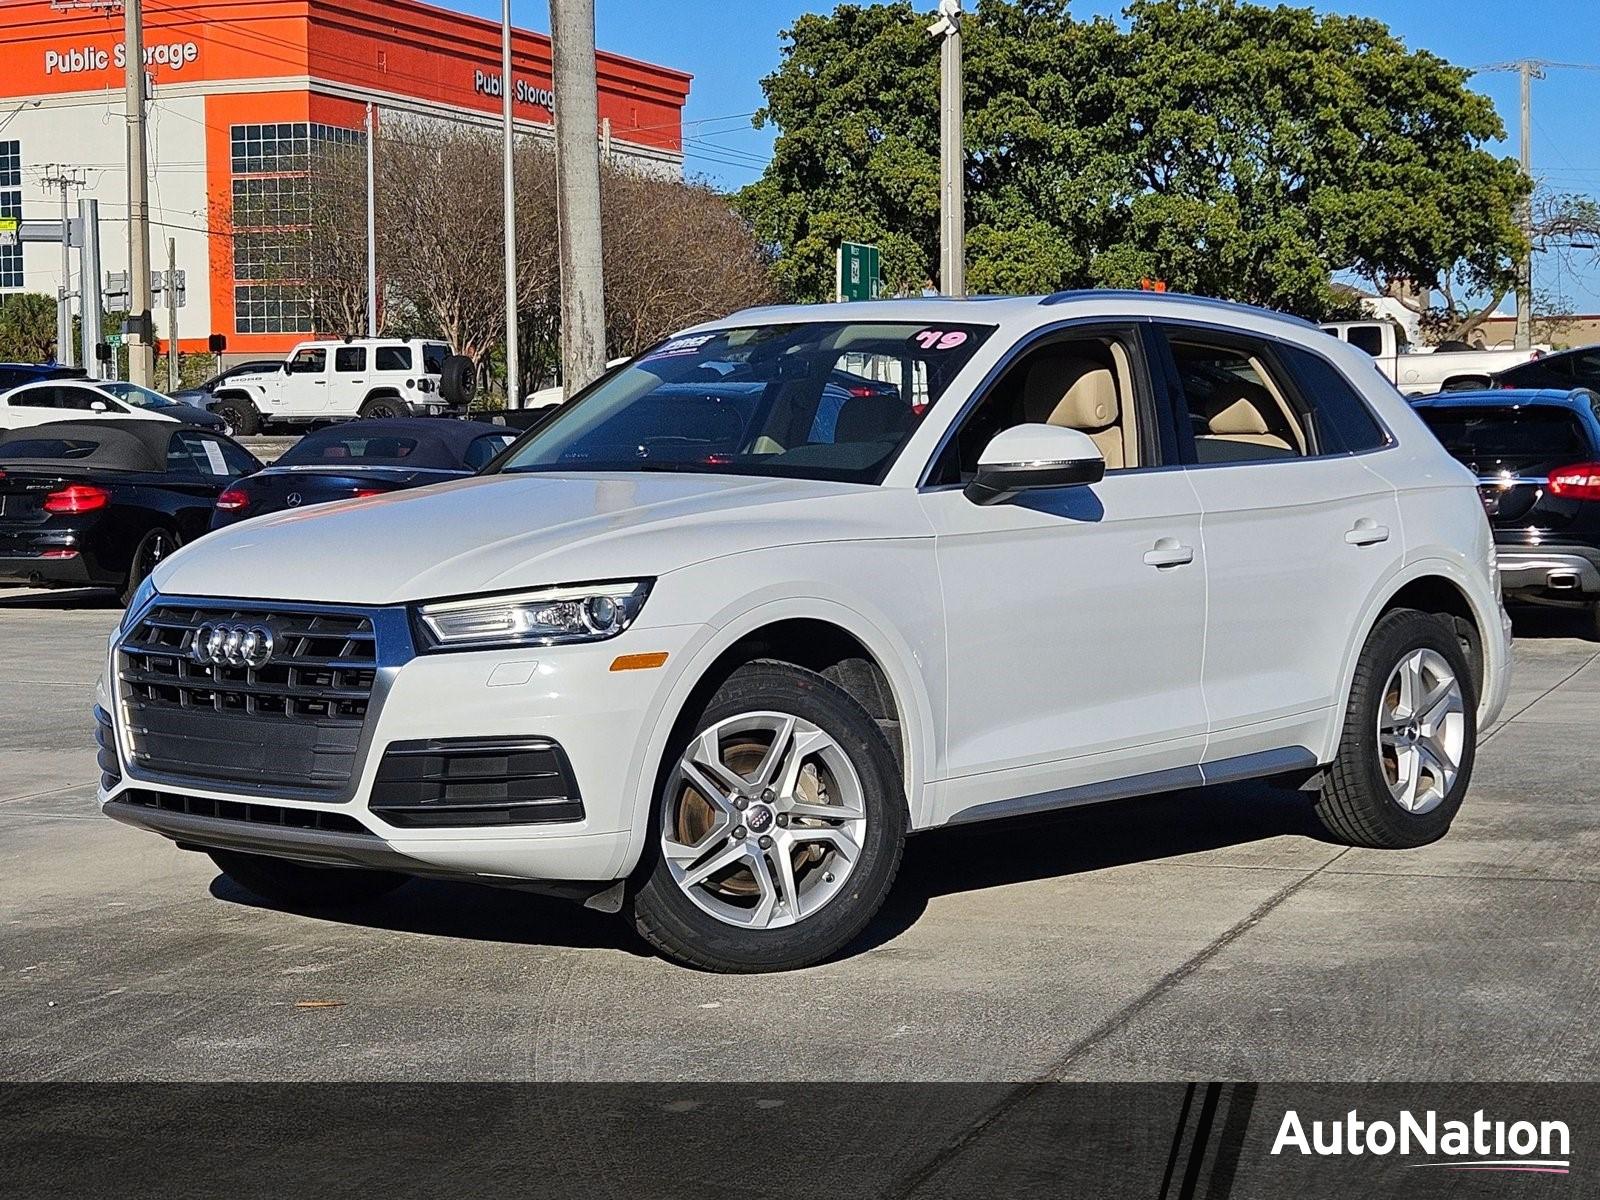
729, 45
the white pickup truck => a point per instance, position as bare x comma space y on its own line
340, 380
1422, 372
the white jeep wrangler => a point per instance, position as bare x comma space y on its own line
340, 380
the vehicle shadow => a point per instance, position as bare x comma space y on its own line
939, 862
1540, 622
466, 911
65, 599
1076, 841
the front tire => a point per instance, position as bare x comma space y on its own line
301, 885
1410, 737
240, 416
778, 827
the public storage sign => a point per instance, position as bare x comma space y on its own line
80, 59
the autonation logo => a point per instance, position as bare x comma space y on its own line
1479, 1144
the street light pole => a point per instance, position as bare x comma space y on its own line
372, 229
507, 88
952, 159
141, 351
583, 303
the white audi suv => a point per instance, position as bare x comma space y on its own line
707, 646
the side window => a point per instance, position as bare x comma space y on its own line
350, 358
196, 454
309, 361
40, 397
1365, 337
1584, 369
1237, 411
394, 358
240, 461
483, 449
1341, 417
1084, 383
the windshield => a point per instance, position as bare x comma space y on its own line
824, 400
138, 396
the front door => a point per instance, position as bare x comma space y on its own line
1075, 617
305, 389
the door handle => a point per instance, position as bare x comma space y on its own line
1168, 552
1367, 532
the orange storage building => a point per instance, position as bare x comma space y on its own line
240, 92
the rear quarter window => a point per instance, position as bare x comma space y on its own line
394, 358
1343, 419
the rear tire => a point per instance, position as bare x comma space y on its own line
240, 416
1410, 737
796, 883
301, 885
154, 547
383, 408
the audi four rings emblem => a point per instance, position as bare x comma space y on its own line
232, 645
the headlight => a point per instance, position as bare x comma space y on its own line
145, 593
551, 616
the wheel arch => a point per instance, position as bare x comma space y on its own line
869, 661
1435, 585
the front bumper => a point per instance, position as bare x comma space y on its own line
562, 696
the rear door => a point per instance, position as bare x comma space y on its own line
1297, 533
347, 383
32, 406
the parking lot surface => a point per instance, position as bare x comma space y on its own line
1194, 935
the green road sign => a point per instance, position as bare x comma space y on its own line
114, 340
857, 272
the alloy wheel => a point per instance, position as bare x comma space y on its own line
1421, 731
763, 821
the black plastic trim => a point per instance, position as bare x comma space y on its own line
464, 782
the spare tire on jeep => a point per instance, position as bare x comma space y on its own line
458, 379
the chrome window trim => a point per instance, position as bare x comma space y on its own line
393, 646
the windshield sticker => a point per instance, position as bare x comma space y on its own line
214, 457
683, 345
940, 339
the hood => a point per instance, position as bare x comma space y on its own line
499, 532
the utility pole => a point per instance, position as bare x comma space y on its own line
1529, 70
66, 179
509, 187
141, 353
372, 228
952, 158
170, 294
583, 301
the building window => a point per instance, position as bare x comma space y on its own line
274, 169
11, 206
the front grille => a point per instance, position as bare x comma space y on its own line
252, 814
295, 721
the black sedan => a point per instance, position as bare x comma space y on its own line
364, 458
100, 503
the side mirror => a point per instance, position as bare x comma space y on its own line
1028, 458
97, 406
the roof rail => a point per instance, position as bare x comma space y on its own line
1068, 297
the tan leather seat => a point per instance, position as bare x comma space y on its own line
1076, 393
1243, 422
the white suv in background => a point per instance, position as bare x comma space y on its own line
791, 585
337, 380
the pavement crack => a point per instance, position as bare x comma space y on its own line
1116, 1021
1554, 687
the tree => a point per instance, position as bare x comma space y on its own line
27, 327
1224, 147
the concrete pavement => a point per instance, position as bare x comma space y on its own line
1197, 935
